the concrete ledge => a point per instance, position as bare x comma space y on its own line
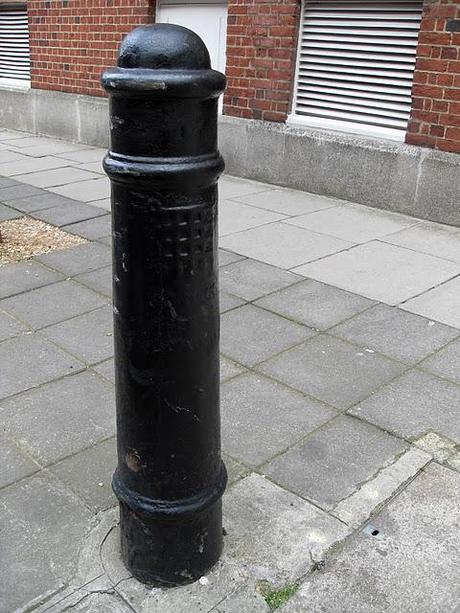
376, 172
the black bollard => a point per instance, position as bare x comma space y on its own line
164, 164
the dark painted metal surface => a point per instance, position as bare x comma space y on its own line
164, 164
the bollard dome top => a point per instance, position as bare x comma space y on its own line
163, 46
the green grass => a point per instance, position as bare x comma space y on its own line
275, 598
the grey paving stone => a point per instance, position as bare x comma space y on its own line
61, 417
106, 369
79, 259
68, 213
229, 369
283, 245
408, 566
274, 532
315, 304
29, 360
381, 271
227, 257
332, 370
85, 156
99, 602
231, 187
289, 201
235, 469
250, 335
57, 176
432, 238
245, 598
5, 182
235, 217
30, 164
227, 302
53, 303
8, 213
261, 418
98, 280
414, 404
15, 465
45, 200
87, 336
85, 191
9, 326
353, 222
52, 148
398, 334
445, 363
24, 276
43, 526
89, 474
249, 279
18, 191
107, 240
441, 303
92, 229
334, 461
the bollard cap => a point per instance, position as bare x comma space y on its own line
163, 61
163, 46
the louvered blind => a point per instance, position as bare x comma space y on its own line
14, 43
356, 61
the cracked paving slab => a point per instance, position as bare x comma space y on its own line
410, 565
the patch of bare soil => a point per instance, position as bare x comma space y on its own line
25, 237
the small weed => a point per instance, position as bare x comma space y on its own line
275, 598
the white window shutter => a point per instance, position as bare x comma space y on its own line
14, 44
356, 62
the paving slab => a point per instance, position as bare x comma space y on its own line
93, 167
60, 418
57, 176
106, 369
245, 598
227, 257
85, 191
332, 370
79, 259
43, 526
24, 276
431, 238
413, 405
9, 326
15, 464
244, 334
92, 229
84, 156
98, 280
333, 461
29, 360
288, 201
410, 565
441, 303
261, 418
314, 304
396, 333
87, 336
103, 203
89, 474
5, 182
283, 245
227, 302
50, 148
250, 279
235, 470
229, 369
29, 164
231, 187
46, 200
18, 191
353, 222
275, 533
10, 156
235, 217
381, 272
446, 362
68, 213
53, 303
7, 212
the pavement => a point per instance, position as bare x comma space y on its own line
340, 404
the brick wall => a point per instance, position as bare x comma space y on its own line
435, 116
71, 41
261, 48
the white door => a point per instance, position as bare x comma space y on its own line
207, 19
